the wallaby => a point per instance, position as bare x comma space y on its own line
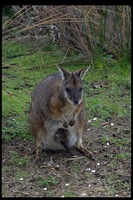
62, 137
57, 114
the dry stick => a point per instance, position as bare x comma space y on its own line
42, 60
69, 159
47, 20
48, 164
65, 55
76, 158
53, 9
10, 22
19, 14
8, 65
57, 20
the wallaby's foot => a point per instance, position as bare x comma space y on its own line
38, 160
86, 152
72, 122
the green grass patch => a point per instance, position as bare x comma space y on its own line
20, 175
46, 181
69, 194
75, 168
111, 96
114, 184
24, 67
17, 160
117, 141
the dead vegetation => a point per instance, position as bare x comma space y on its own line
86, 29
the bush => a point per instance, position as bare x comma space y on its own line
89, 30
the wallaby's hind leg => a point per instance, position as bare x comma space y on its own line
38, 146
80, 126
37, 131
80, 146
38, 134
86, 152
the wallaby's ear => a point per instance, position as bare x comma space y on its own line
81, 72
64, 72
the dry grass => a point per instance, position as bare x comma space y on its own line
86, 29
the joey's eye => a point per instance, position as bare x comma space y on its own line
68, 90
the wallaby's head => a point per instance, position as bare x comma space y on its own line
62, 137
73, 84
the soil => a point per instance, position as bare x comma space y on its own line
70, 173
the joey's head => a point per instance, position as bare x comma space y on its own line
73, 84
62, 137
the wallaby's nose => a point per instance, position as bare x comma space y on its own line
76, 102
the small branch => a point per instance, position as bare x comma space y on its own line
7, 65
65, 55
76, 158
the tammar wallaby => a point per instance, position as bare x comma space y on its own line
57, 114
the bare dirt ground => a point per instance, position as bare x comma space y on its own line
70, 174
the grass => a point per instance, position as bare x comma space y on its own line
17, 160
107, 90
68, 194
19, 175
46, 181
26, 70
108, 100
90, 22
17, 86
115, 184
75, 168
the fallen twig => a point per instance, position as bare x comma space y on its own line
76, 158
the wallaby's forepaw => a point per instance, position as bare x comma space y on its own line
65, 124
72, 122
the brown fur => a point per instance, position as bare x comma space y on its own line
57, 103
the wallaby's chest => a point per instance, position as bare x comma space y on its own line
68, 111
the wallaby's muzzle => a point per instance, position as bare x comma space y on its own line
76, 102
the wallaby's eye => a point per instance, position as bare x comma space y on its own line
68, 90
80, 90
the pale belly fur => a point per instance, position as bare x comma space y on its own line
52, 126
